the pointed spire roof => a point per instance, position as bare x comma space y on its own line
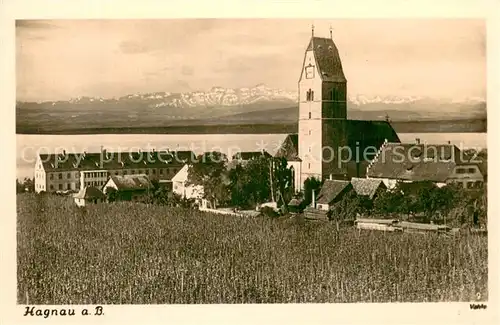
327, 57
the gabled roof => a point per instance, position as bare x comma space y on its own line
89, 192
131, 182
415, 162
114, 160
331, 190
289, 148
327, 59
247, 155
366, 186
182, 174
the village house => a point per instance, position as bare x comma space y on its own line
128, 187
73, 171
88, 195
367, 187
332, 192
439, 163
181, 187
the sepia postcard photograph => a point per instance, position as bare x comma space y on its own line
250, 161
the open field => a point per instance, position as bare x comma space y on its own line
125, 253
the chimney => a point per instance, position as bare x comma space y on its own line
417, 140
449, 142
313, 204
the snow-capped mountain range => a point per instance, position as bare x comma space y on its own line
219, 96
253, 105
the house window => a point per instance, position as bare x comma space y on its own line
161, 171
471, 170
154, 171
51, 176
124, 172
309, 131
51, 186
309, 148
309, 165
77, 175
310, 95
116, 172
309, 115
460, 170
69, 175
60, 186
60, 175
132, 171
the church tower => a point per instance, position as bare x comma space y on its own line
322, 109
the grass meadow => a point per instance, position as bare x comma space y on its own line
126, 253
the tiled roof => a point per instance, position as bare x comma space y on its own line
89, 193
327, 57
331, 190
415, 162
366, 186
247, 155
132, 182
114, 160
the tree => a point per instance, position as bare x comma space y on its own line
311, 184
111, 194
28, 185
390, 202
19, 187
365, 205
260, 180
281, 180
210, 171
346, 208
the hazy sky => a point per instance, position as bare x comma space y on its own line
60, 59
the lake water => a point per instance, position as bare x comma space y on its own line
28, 146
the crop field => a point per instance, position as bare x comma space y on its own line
126, 253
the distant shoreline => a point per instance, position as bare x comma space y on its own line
441, 126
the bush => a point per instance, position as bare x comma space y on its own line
269, 212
